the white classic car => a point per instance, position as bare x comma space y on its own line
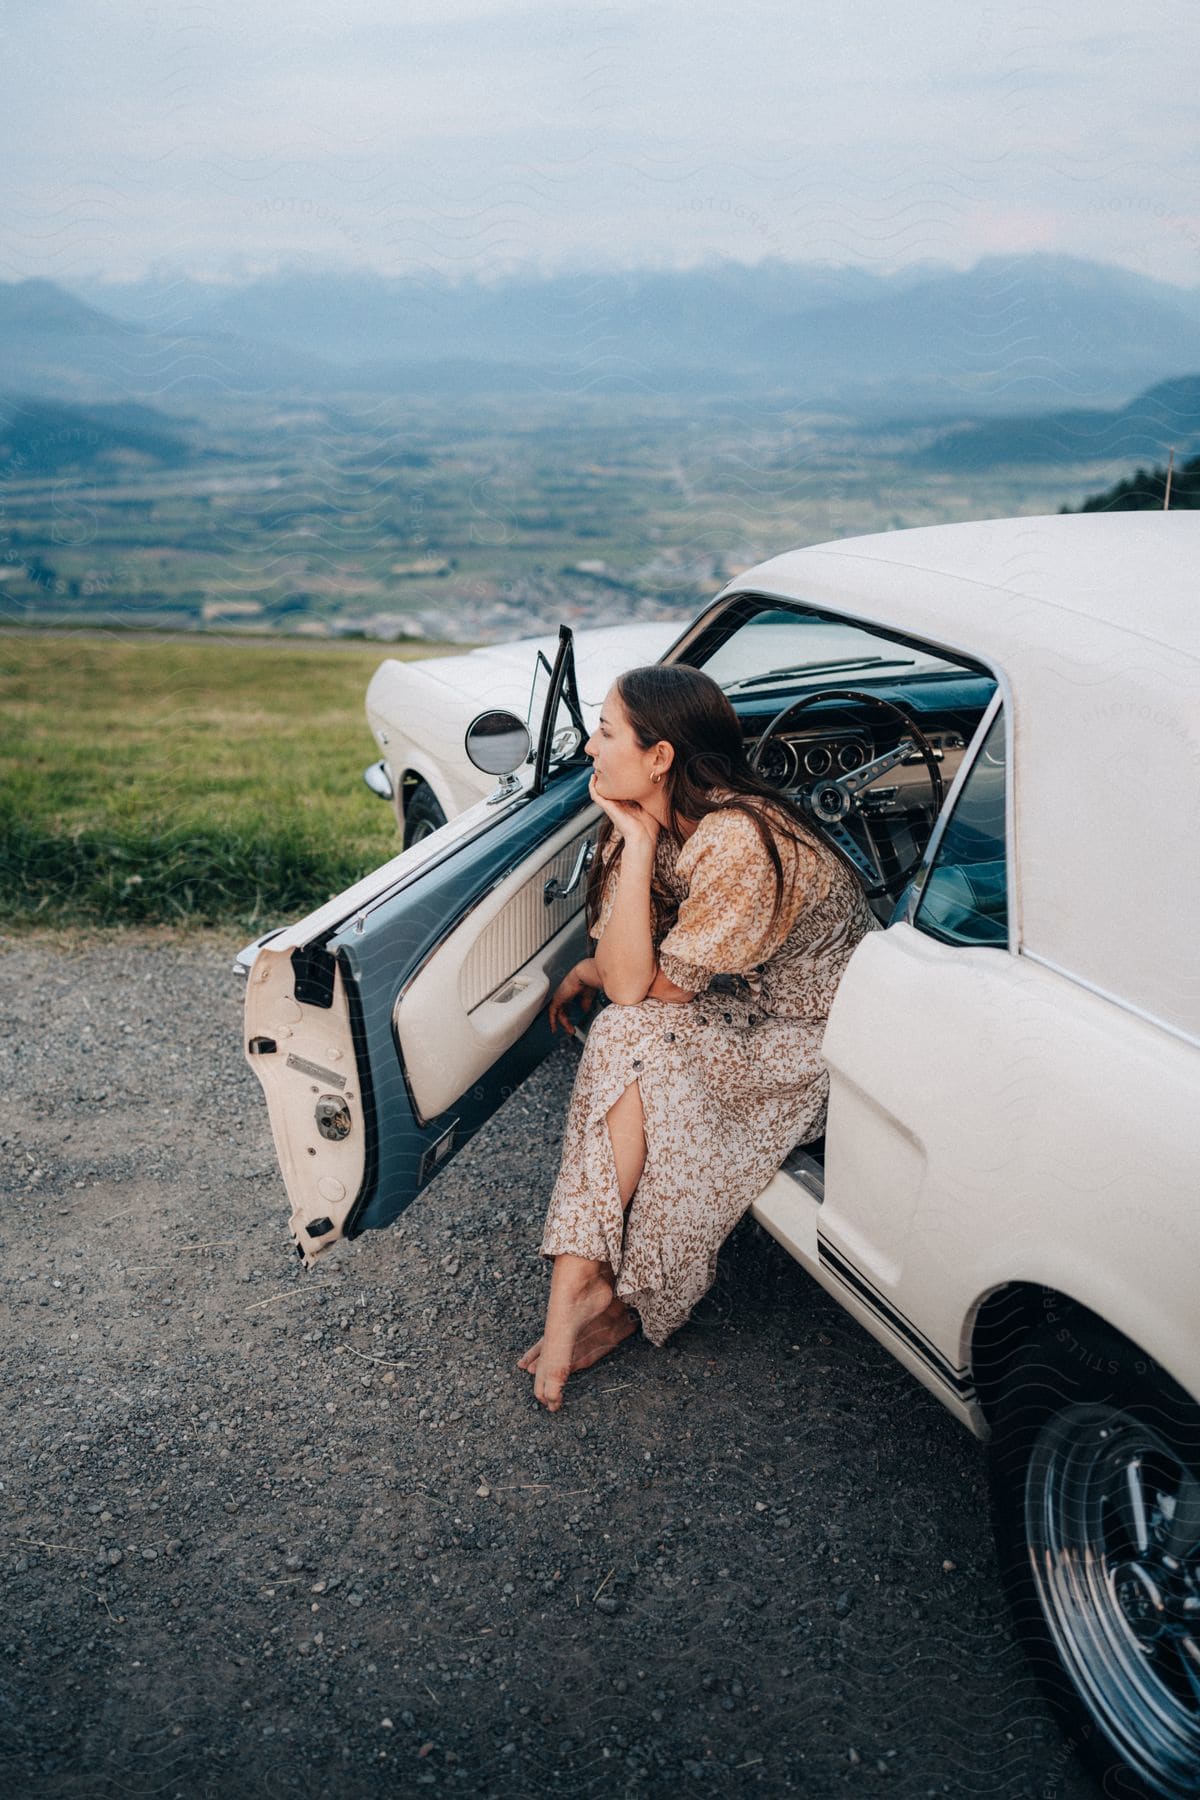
998, 726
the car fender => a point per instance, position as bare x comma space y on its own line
453, 792
420, 722
1157, 1319
993, 1121
1094, 1203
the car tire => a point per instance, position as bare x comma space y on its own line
1094, 1469
422, 815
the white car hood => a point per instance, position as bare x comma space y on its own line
503, 673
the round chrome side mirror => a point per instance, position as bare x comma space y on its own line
497, 742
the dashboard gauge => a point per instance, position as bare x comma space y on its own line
818, 760
852, 755
776, 763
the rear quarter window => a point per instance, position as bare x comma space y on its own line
964, 898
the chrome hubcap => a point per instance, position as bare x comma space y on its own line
1112, 1518
1140, 1599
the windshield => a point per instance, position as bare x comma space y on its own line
775, 645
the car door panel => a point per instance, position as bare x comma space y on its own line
358, 1165
907, 1034
303, 1055
904, 1133
485, 986
914, 1055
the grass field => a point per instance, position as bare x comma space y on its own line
175, 781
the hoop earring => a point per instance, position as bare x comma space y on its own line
656, 778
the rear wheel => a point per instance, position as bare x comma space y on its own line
1095, 1477
422, 815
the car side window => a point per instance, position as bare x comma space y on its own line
964, 898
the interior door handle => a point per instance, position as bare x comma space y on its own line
556, 890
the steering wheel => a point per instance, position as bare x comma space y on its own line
830, 799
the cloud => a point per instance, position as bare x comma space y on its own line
870, 130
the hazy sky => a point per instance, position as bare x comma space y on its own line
475, 135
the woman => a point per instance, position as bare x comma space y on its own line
722, 927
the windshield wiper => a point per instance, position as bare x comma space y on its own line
830, 668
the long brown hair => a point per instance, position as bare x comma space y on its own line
682, 705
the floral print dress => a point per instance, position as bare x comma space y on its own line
730, 1082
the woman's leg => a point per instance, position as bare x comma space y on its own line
627, 1134
580, 1291
584, 1321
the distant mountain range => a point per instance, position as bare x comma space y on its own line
54, 345
1017, 334
45, 437
1165, 417
51, 437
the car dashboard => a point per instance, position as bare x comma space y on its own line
832, 738
796, 760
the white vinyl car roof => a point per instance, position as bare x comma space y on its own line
1136, 572
1091, 623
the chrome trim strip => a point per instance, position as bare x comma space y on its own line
1092, 987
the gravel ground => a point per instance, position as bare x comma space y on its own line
268, 1533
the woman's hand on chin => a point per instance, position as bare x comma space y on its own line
632, 822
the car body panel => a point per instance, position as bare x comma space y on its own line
990, 1122
418, 711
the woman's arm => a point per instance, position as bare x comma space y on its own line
663, 988
623, 963
727, 923
625, 957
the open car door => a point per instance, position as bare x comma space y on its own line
391, 1023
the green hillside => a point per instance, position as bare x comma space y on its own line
45, 437
183, 781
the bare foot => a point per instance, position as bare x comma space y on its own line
579, 1293
595, 1343
609, 1328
